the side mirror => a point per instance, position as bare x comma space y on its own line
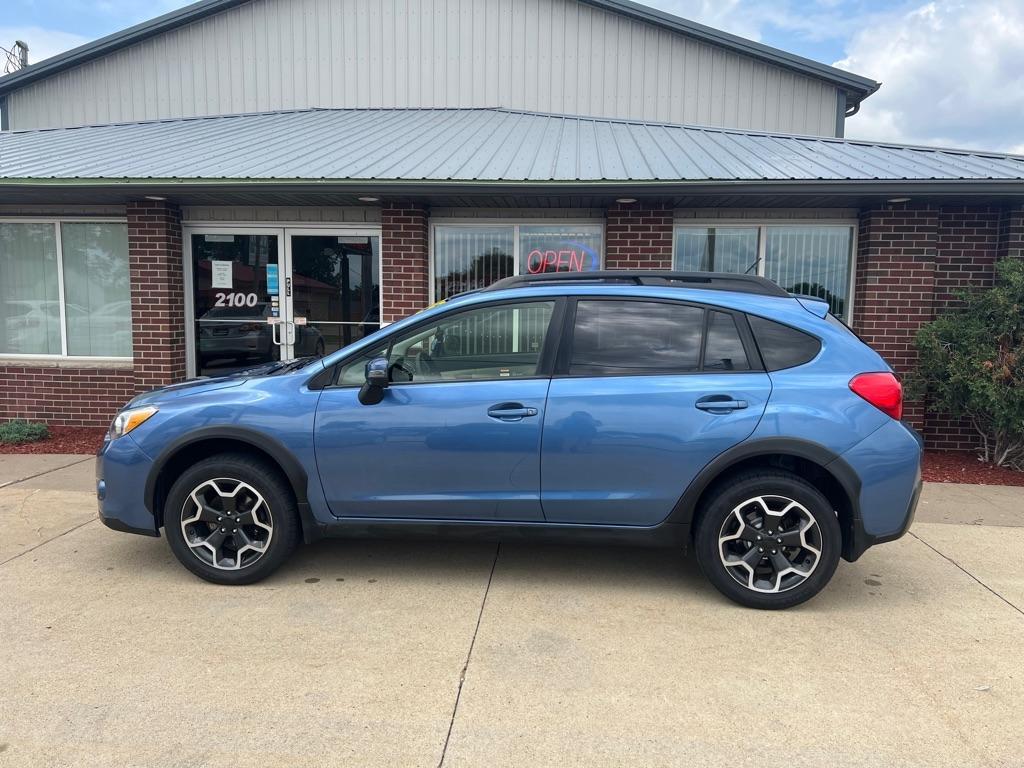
372, 392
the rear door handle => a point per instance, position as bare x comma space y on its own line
720, 404
510, 411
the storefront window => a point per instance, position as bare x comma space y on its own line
716, 249
559, 249
815, 260
98, 297
92, 268
474, 256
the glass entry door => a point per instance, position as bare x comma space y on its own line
261, 295
335, 290
236, 300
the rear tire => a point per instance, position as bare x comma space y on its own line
768, 539
231, 519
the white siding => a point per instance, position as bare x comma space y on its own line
544, 55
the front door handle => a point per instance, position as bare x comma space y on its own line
720, 404
510, 411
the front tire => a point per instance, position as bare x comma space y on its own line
231, 519
768, 539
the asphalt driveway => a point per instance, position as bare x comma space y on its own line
425, 653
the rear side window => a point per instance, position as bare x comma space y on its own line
724, 350
621, 338
782, 346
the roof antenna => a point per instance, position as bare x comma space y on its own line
752, 266
16, 58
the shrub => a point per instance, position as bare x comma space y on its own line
972, 364
21, 431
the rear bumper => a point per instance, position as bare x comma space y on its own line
888, 463
121, 471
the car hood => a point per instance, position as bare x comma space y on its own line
186, 388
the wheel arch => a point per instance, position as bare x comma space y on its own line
823, 468
201, 443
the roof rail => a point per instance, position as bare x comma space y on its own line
713, 281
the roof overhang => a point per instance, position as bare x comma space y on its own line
505, 194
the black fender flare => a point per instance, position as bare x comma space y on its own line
293, 470
827, 459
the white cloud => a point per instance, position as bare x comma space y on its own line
952, 74
42, 43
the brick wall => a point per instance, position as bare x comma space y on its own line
404, 267
63, 396
966, 249
895, 284
910, 262
1011, 233
638, 236
158, 293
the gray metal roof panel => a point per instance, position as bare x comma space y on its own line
860, 87
469, 145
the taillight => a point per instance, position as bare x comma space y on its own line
882, 390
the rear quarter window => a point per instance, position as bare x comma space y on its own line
781, 346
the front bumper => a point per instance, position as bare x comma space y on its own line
121, 471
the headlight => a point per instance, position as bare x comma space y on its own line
128, 420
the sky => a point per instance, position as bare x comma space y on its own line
952, 71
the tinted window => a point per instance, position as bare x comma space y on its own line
724, 351
782, 346
635, 337
496, 342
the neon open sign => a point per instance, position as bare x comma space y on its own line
569, 257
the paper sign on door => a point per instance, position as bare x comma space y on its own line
221, 276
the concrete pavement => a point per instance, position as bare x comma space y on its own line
422, 653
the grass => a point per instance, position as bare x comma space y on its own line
21, 431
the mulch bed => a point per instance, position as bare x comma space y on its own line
63, 440
956, 467
939, 466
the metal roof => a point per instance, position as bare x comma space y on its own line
859, 87
466, 146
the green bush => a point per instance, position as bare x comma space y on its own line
21, 431
972, 364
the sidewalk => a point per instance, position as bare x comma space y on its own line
401, 653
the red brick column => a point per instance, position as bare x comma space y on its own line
638, 236
1011, 233
158, 293
895, 285
403, 255
966, 248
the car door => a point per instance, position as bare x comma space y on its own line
645, 394
457, 433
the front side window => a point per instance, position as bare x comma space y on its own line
486, 343
90, 264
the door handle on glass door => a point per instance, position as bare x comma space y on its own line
720, 404
510, 411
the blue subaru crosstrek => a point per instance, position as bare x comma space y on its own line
709, 411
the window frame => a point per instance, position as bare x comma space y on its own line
56, 223
514, 224
545, 363
763, 225
564, 358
